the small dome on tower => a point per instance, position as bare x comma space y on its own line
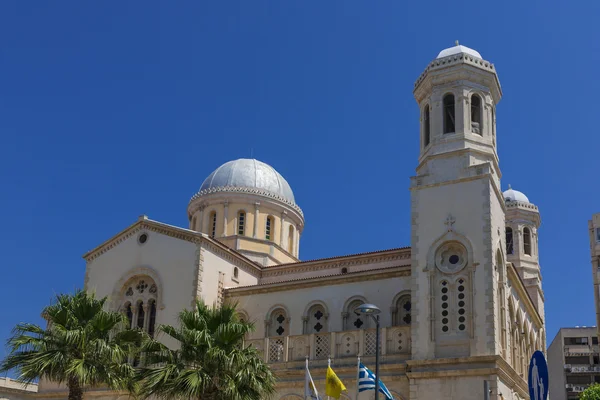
514, 195
458, 49
248, 173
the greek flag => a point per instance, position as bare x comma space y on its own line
366, 381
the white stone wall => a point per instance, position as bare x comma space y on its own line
170, 261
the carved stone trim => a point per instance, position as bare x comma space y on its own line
236, 189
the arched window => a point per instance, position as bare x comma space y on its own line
241, 222
193, 227
139, 295
509, 241
316, 320
449, 114
236, 272
476, 125
213, 224
151, 317
527, 241
278, 323
355, 321
129, 313
141, 314
426, 126
403, 311
291, 240
269, 228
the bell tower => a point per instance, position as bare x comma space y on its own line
457, 209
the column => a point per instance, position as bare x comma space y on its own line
256, 205
283, 214
297, 247
201, 219
226, 204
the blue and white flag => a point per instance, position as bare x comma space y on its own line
366, 381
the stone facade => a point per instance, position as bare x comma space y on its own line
457, 310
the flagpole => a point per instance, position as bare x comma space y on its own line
357, 376
306, 384
328, 366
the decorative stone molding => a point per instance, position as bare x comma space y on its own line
259, 192
456, 60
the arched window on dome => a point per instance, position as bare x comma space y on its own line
527, 241
241, 223
269, 228
476, 124
426, 127
291, 240
213, 224
449, 115
509, 241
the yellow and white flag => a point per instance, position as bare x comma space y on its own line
333, 385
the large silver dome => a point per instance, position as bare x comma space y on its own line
248, 173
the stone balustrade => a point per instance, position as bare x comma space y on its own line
321, 346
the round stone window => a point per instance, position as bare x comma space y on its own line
143, 238
451, 258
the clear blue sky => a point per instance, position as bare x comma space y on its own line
109, 110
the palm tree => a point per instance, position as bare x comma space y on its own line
209, 362
83, 346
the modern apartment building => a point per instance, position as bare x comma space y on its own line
573, 362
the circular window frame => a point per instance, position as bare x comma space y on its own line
449, 251
144, 236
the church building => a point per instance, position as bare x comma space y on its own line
462, 305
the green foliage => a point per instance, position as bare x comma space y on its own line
209, 362
591, 393
83, 346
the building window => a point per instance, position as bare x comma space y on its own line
152, 317
403, 311
316, 321
576, 341
236, 272
279, 325
269, 228
291, 240
426, 126
140, 315
141, 292
527, 241
213, 224
241, 222
355, 321
594, 339
449, 114
476, 125
509, 241
445, 297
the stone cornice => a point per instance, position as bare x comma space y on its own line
336, 279
144, 224
250, 190
339, 262
519, 286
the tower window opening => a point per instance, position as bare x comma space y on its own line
213, 224
476, 125
509, 241
241, 222
236, 272
268, 228
527, 241
449, 115
426, 127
